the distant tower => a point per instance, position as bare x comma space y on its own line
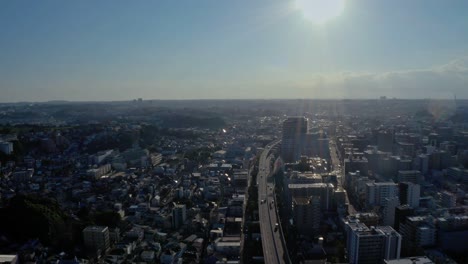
455, 101
294, 131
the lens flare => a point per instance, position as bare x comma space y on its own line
320, 11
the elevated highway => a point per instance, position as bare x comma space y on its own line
274, 246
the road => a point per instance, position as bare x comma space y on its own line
339, 171
272, 240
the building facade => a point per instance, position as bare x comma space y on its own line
96, 238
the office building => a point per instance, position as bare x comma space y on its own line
179, 215
388, 211
410, 260
401, 212
392, 243
372, 245
96, 238
417, 232
352, 227
323, 190
405, 149
385, 141
229, 246
377, 192
294, 131
458, 174
368, 219
353, 164
374, 157
9, 259
422, 163
409, 193
100, 171
448, 199
316, 145
413, 176
452, 233
307, 215
6, 147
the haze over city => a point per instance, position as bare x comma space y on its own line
233, 131
113, 50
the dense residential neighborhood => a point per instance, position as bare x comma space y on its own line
349, 181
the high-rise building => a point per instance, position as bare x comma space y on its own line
352, 226
385, 141
179, 215
368, 219
6, 147
401, 212
356, 164
409, 193
448, 199
377, 192
413, 176
388, 210
422, 163
323, 190
374, 157
410, 260
417, 232
452, 233
307, 214
316, 145
372, 245
96, 238
294, 131
392, 242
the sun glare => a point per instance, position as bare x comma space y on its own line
320, 11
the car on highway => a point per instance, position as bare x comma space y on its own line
276, 227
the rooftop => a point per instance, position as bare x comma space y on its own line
410, 260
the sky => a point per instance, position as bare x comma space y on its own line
106, 50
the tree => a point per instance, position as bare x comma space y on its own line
107, 218
29, 217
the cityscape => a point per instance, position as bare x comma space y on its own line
234, 132
252, 181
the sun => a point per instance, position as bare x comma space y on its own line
320, 11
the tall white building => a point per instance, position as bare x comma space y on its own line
372, 245
392, 245
377, 192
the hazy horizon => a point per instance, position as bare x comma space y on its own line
207, 50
